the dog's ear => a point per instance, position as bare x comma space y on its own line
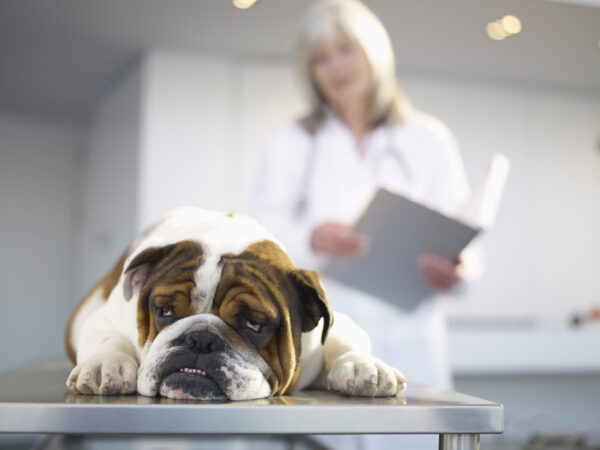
313, 302
137, 272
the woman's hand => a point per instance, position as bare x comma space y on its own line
337, 239
439, 272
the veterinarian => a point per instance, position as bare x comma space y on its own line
362, 133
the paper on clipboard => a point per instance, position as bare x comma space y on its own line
400, 230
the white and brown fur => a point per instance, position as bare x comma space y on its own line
206, 306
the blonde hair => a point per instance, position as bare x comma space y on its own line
320, 23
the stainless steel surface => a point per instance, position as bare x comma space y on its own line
459, 442
34, 399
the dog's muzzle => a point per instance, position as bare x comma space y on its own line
200, 357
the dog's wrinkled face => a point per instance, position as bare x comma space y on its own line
200, 357
235, 335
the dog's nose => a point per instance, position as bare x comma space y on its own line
204, 342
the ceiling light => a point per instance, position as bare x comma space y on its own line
503, 28
243, 4
511, 24
496, 31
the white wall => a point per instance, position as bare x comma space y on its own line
36, 173
269, 98
106, 201
185, 148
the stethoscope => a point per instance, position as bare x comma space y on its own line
389, 151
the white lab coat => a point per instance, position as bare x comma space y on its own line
338, 184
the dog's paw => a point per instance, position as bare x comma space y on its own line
104, 374
364, 376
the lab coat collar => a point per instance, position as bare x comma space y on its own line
374, 140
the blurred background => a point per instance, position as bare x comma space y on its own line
113, 111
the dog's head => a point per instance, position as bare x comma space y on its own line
214, 324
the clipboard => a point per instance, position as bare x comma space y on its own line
399, 230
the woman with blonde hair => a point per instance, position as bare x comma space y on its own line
324, 22
318, 172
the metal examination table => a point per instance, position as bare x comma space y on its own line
34, 399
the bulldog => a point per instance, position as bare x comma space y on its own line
208, 306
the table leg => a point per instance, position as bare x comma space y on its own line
459, 442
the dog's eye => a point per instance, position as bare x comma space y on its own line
256, 327
165, 311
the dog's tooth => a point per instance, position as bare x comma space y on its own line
192, 371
